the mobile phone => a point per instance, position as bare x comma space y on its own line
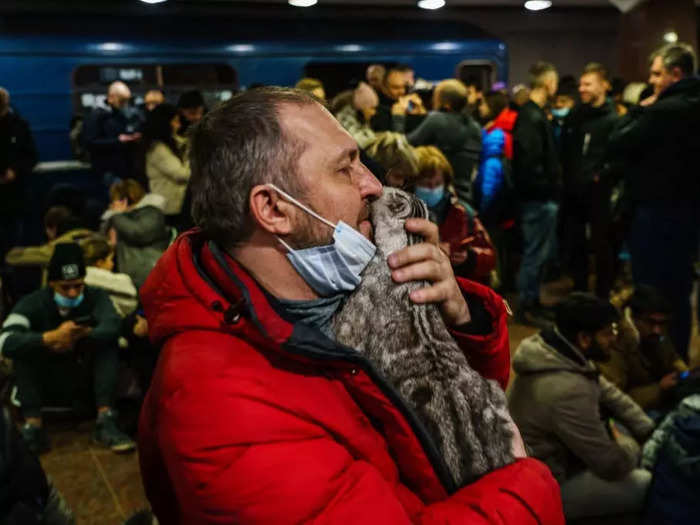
410, 106
86, 320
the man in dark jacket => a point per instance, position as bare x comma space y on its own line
17, 159
562, 406
255, 413
49, 332
536, 175
587, 184
451, 130
110, 133
397, 82
658, 142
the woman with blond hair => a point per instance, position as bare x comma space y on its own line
462, 235
395, 155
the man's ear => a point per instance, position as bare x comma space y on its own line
270, 213
676, 73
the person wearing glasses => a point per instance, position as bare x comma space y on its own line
58, 335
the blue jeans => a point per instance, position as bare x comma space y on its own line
663, 243
539, 224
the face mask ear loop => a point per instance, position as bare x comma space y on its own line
289, 248
308, 210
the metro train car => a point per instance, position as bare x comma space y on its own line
57, 67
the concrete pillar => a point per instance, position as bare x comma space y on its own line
642, 30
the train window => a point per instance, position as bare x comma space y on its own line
217, 82
481, 71
336, 76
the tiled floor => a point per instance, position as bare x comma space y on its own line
104, 488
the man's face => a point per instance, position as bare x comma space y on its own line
192, 115
592, 89
660, 77
552, 84
601, 343
120, 98
395, 85
339, 186
651, 326
473, 96
563, 102
409, 78
68, 289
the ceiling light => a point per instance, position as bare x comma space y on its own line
431, 4
302, 3
671, 37
153, 1
537, 5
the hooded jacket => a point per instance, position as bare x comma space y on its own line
142, 236
253, 419
556, 401
659, 146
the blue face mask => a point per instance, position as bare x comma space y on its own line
561, 112
67, 302
333, 268
430, 196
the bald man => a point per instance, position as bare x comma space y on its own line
110, 133
153, 99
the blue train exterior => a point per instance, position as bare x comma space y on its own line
38, 57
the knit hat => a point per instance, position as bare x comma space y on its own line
364, 97
66, 263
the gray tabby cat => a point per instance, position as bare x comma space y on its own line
464, 413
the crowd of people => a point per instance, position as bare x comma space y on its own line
567, 179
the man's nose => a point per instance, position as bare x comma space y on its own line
369, 184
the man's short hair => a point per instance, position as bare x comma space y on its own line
538, 72
648, 300
497, 101
95, 249
678, 55
396, 69
454, 93
190, 100
128, 189
475, 82
583, 312
57, 216
235, 147
598, 69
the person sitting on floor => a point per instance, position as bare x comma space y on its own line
50, 333
558, 401
644, 363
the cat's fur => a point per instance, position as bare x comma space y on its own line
464, 413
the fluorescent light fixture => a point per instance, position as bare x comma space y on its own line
242, 48
671, 37
111, 46
153, 1
537, 5
302, 3
349, 48
431, 4
445, 46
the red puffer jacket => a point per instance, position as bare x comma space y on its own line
250, 419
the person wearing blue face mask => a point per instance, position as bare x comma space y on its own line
462, 235
49, 333
251, 382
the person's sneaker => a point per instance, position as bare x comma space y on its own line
107, 433
36, 438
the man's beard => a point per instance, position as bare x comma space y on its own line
598, 353
310, 232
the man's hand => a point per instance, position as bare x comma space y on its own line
669, 381
129, 137
648, 101
401, 107
517, 445
65, 336
140, 327
427, 262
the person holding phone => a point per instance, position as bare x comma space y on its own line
57, 335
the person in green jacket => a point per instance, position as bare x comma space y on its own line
49, 333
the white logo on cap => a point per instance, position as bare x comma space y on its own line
70, 271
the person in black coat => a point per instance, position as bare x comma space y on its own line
587, 184
18, 157
110, 134
537, 180
658, 142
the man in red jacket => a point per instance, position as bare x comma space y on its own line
255, 414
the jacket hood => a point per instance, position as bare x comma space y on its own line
535, 355
505, 120
686, 86
493, 142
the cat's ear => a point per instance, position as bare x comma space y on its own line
269, 212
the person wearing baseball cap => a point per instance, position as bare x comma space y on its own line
46, 333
